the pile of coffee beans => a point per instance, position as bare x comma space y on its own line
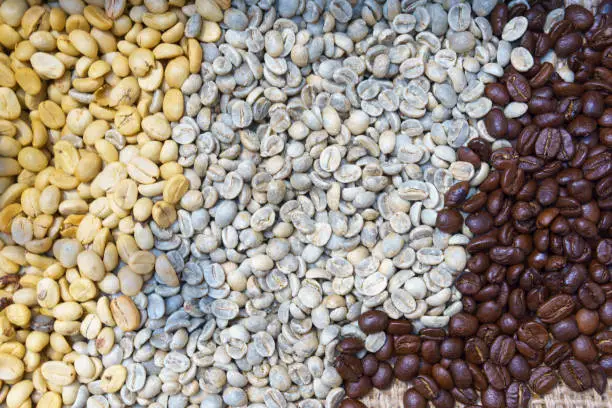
537, 290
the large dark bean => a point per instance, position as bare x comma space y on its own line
373, 321
359, 388
568, 44
462, 325
412, 399
518, 395
496, 123
502, 350
556, 309
465, 396
580, 16
575, 375
599, 378
406, 344
352, 403
497, 93
349, 367
426, 386
542, 380
399, 327
383, 378
498, 376
498, 18
406, 367
387, 350
350, 345
493, 398
518, 87
476, 351
565, 330
442, 377
592, 104
449, 221
584, 349
370, 365
518, 367
479, 222
557, 353
582, 126
548, 143
444, 400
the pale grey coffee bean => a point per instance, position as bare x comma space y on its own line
435, 321
136, 377
515, 109
430, 256
374, 284
416, 288
514, 29
445, 94
462, 171
553, 16
455, 257
234, 397
478, 108
224, 309
441, 277
176, 362
403, 300
461, 42
521, 59
412, 68
483, 7
453, 309
439, 298
375, 342
459, 17
330, 159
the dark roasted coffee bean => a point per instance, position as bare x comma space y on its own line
383, 378
542, 380
350, 345
498, 376
444, 400
550, 119
588, 321
493, 398
518, 395
592, 104
474, 203
479, 222
465, 396
603, 341
582, 126
449, 221
502, 350
442, 377
461, 374
497, 93
476, 351
387, 350
406, 367
451, 348
488, 333
518, 87
406, 344
545, 72
568, 44
518, 367
462, 325
370, 365
426, 386
373, 321
556, 308
534, 334
548, 143
512, 179
496, 123
557, 353
432, 333
456, 194
430, 351
565, 330
598, 166
599, 378
561, 28
359, 388
506, 255
575, 375
351, 403
399, 327
498, 18
591, 295
584, 349
580, 16
542, 45
504, 158
349, 367
412, 399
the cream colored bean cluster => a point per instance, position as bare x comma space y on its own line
88, 92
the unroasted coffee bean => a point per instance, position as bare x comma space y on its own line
575, 375
373, 321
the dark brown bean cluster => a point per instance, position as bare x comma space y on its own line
537, 293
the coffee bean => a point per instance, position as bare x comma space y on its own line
518, 87
497, 93
359, 388
493, 398
565, 330
502, 350
518, 395
349, 367
476, 350
496, 123
370, 365
351, 403
449, 221
387, 350
412, 399
373, 321
426, 386
462, 325
548, 143
498, 376
444, 400
460, 372
579, 16
557, 353
350, 345
556, 309
456, 194
451, 348
383, 377
599, 378
498, 18
542, 380
406, 344
442, 377
519, 368
399, 327
465, 396
584, 349
406, 367
575, 375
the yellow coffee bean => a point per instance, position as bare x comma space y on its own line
50, 399
28, 80
32, 159
58, 373
84, 43
90, 265
37, 341
18, 314
11, 368
125, 313
10, 108
19, 393
51, 115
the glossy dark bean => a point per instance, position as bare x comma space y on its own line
350, 345
426, 386
542, 380
373, 321
449, 221
518, 395
462, 325
412, 399
352, 403
349, 367
406, 367
575, 375
359, 388
406, 344
568, 44
383, 378
370, 365
518, 367
579, 16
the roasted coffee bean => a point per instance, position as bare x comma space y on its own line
564, 89
591, 295
556, 309
565, 330
350, 345
592, 104
430, 351
588, 321
582, 126
518, 395
548, 143
542, 45
465, 396
568, 44
519, 368
506, 255
373, 321
584, 349
476, 351
599, 378
474, 203
383, 378
498, 18
603, 341
468, 155
426, 386
579, 16
412, 399
557, 353
457, 194
449, 221
399, 327
444, 400
460, 372
479, 222
598, 166
502, 350
462, 325
370, 365
497, 376
406, 367
387, 350
442, 377
493, 398
496, 123
359, 388
351, 403
518, 87
451, 348
512, 179
349, 367
575, 375
561, 28
406, 344
432, 333
497, 93
542, 380
545, 72
549, 119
